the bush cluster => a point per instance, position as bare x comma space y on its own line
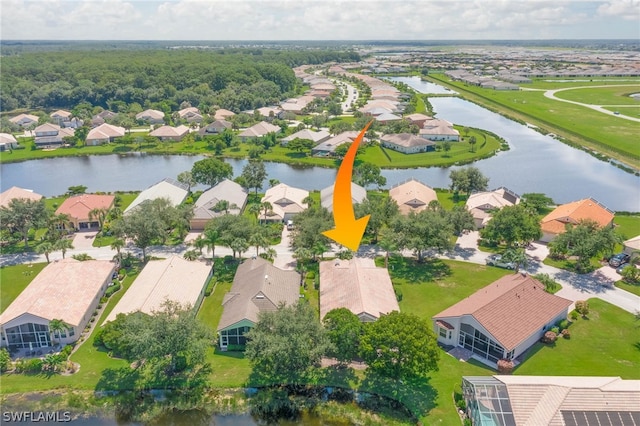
549, 337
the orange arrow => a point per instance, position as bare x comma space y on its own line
348, 230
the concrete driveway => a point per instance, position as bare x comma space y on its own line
84, 240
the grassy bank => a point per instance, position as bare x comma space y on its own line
612, 136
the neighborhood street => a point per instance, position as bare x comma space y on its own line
599, 283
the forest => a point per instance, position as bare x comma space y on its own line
236, 78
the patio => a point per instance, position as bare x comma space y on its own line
34, 352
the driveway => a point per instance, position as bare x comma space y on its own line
84, 240
284, 258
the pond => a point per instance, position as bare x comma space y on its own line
422, 86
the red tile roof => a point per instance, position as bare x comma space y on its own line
587, 209
79, 206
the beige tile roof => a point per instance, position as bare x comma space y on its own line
226, 190
358, 195
511, 309
285, 199
63, 290
357, 285
406, 140
331, 144
417, 117
496, 199
412, 196
170, 189
26, 117
258, 286
575, 212
308, 134
60, 113
79, 206
437, 126
540, 400
46, 128
175, 279
222, 114
190, 111
170, 131
150, 113
7, 138
260, 129
633, 243
15, 192
105, 131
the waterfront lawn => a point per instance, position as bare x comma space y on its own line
616, 95
627, 225
14, 279
607, 343
583, 126
562, 82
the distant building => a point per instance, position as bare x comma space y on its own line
316, 137
24, 120
407, 143
151, 116
17, 193
258, 130
104, 133
439, 130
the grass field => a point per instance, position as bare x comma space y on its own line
14, 279
616, 95
613, 136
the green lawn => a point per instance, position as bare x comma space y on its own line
627, 226
605, 344
14, 279
612, 136
631, 288
616, 95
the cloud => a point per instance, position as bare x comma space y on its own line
626, 9
315, 19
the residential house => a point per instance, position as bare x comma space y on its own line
296, 105
269, 112
24, 120
170, 133
78, 207
151, 116
439, 130
191, 114
175, 279
60, 116
257, 287
387, 117
67, 290
357, 285
573, 213
17, 193
51, 134
358, 195
412, 196
215, 127
329, 146
204, 209
407, 143
417, 119
223, 114
501, 320
316, 137
631, 245
7, 142
102, 117
104, 133
258, 130
551, 400
168, 189
482, 204
286, 201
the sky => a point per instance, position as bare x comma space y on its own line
318, 19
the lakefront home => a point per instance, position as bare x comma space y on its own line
205, 208
78, 208
151, 116
358, 195
258, 130
573, 213
169, 189
439, 130
170, 133
481, 204
407, 143
286, 201
104, 133
18, 193
412, 196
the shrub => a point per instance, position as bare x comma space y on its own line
210, 286
564, 324
574, 315
631, 274
556, 330
549, 337
5, 360
566, 334
112, 290
505, 366
582, 307
29, 365
66, 351
398, 293
462, 406
311, 275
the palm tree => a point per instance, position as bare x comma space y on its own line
239, 245
517, 256
258, 239
254, 209
269, 254
472, 142
63, 245
45, 248
199, 243
191, 255
99, 214
224, 205
388, 244
57, 325
267, 208
117, 245
308, 201
211, 237
59, 223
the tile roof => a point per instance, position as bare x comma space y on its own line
79, 206
60, 113
633, 243
308, 134
47, 127
105, 131
511, 308
7, 138
358, 195
64, 289
167, 188
222, 114
285, 199
495, 199
21, 117
226, 190
188, 111
412, 196
170, 131
417, 117
150, 113
260, 129
575, 212
437, 126
175, 279
331, 144
357, 285
258, 286
16, 192
406, 140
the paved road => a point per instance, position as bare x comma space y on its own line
352, 95
551, 94
599, 283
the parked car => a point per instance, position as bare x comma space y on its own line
496, 260
290, 225
618, 259
624, 266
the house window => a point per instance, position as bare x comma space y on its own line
443, 332
72, 332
